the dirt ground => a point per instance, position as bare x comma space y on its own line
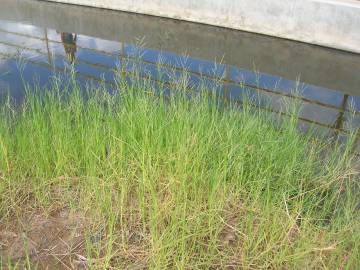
44, 242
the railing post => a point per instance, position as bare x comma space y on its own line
227, 84
123, 65
339, 123
47, 48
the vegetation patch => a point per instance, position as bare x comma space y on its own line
138, 180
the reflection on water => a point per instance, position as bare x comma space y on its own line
69, 42
47, 50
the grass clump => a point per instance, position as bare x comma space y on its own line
167, 182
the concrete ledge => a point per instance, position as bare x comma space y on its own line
330, 23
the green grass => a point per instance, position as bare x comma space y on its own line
168, 182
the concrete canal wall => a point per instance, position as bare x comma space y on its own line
280, 57
330, 23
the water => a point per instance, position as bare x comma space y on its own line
52, 36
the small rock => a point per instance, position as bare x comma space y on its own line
64, 213
82, 262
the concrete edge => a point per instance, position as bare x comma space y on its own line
329, 23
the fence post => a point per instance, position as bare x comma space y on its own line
47, 48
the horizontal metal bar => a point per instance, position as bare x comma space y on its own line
55, 41
50, 67
96, 65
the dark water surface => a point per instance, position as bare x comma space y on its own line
53, 36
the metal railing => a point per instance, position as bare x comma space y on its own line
225, 79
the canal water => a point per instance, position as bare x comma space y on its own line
50, 37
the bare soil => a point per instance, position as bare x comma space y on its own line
44, 242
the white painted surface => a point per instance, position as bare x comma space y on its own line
331, 23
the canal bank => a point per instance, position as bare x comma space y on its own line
330, 23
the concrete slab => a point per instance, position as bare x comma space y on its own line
331, 23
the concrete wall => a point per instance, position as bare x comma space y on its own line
331, 23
